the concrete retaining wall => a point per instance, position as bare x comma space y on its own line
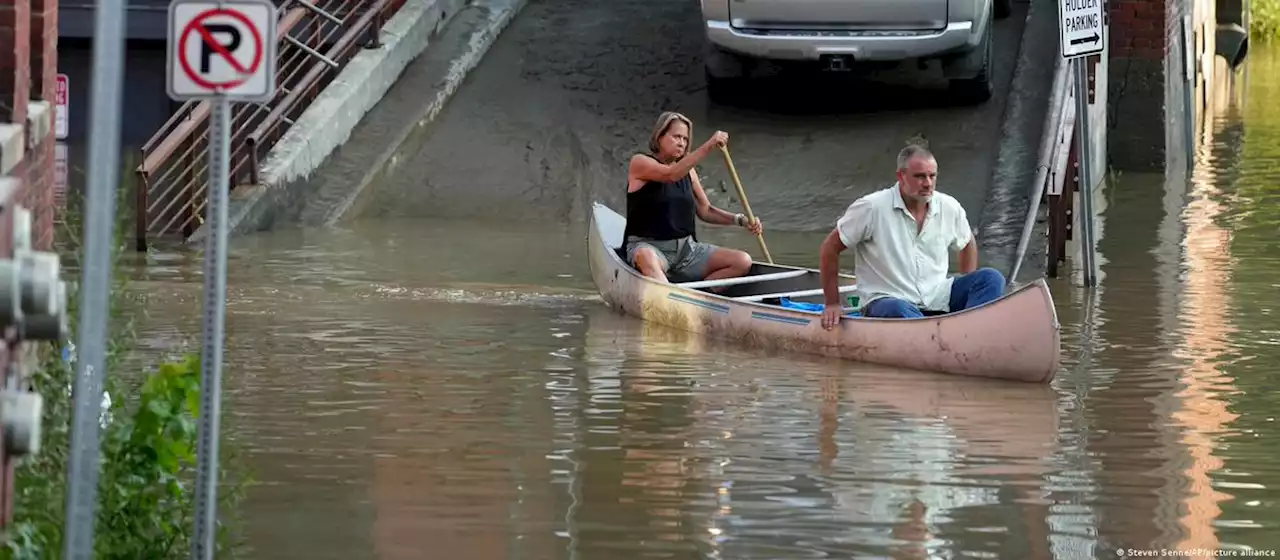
331, 118
328, 122
399, 123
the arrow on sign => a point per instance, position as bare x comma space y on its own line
1093, 39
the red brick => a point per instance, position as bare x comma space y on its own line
44, 48
27, 38
1149, 8
39, 196
15, 72
1138, 28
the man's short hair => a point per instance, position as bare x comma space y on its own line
917, 147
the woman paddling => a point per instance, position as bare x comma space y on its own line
663, 196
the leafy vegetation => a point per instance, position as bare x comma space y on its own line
1264, 19
146, 485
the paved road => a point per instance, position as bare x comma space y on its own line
570, 90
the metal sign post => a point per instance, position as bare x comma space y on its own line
1082, 28
1088, 245
219, 51
95, 284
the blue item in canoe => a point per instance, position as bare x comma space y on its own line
814, 307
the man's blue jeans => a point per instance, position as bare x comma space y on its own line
971, 290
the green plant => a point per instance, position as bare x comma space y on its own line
148, 458
148, 439
1264, 19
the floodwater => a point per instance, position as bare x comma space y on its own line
407, 388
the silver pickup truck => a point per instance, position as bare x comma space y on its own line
840, 34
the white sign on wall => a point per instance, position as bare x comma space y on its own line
62, 104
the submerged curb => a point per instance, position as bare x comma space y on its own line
329, 121
477, 44
1022, 131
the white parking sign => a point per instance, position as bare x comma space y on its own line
1082, 27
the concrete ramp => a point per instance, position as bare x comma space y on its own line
571, 88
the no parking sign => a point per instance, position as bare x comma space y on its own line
222, 49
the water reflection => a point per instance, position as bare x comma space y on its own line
717, 451
1241, 356
1202, 412
1161, 398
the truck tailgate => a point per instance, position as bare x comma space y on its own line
839, 14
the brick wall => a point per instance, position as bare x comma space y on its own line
44, 48
1155, 108
1138, 29
37, 192
27, 93
1136, 83
28, 66
15, 50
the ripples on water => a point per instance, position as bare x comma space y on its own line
394, 403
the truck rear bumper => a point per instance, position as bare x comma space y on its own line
799, 45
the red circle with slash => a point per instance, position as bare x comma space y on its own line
196, 25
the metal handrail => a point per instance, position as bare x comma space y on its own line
317, 39
1053, 157
270, 124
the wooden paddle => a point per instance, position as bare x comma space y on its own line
742, 197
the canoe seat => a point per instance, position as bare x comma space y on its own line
743, 279
797, 293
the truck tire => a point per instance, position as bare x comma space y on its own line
978, 89
725, 73
1002, 8
721, 90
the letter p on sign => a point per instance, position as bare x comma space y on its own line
222, 49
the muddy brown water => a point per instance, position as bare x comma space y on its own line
410, 388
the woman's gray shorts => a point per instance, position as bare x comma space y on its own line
683, 259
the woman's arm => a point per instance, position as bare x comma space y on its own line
644, 169
707, 212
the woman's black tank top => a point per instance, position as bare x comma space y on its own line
662, 210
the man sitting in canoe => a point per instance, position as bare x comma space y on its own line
663, 197
902, 237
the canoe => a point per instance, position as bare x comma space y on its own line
1016, 337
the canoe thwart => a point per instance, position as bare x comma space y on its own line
742, 280
799, 293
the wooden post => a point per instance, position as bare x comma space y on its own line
1061, 209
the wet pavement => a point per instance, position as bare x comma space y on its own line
569, 91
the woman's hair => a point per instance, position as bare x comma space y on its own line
665, 120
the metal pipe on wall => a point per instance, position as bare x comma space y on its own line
1044, 163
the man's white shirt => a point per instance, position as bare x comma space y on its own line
890, 259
